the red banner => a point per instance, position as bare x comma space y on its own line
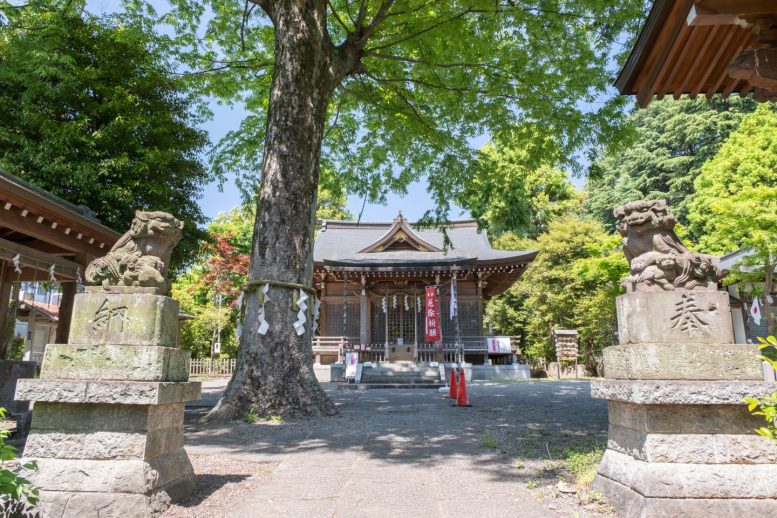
432, 331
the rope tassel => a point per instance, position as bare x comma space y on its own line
264, 325
316, 313
299, 325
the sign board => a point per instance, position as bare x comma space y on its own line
351, 361
498, 345
432, 330
566, 344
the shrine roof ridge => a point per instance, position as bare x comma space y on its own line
392, 243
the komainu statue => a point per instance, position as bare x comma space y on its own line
657, 259
141, 256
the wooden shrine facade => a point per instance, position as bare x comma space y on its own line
371, 279
39, 231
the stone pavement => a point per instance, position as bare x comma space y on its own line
394, 453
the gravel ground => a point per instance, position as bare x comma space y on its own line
516, 451
223, 482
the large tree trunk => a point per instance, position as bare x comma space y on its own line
274, 373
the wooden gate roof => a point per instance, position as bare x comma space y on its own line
685, 47
44, 230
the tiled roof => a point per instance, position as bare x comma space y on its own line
342, 241
49, 311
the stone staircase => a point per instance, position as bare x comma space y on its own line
400, 375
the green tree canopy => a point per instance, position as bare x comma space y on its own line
383, 92
91, 111
747, 162
571, 284
671, 140
735, 204
511, 190
431, 75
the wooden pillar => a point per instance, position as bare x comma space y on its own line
65, 312
324, 309
5, 304
480, 284
364, 313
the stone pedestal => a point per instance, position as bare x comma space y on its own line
683, 316
107, 425
681, 441
10, 372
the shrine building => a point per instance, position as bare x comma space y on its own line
371, 279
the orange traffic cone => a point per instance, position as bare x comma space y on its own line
461, 395
452, 390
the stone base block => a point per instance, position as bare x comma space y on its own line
134, 476
115, 362
683, 361
105, 318
104, 432
670, 392
108, 459
686, 449
679, 316
631, 504
88, 504
688, 434
111, 392
681, 480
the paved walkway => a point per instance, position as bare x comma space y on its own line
399, 453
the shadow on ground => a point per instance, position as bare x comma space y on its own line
508, 422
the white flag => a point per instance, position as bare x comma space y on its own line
453, 296
755, 312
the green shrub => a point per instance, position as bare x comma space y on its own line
251, 417
583, 465
488, 442
767, 406
15, 490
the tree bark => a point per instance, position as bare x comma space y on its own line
274, 372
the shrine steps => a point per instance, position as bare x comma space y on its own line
400, 375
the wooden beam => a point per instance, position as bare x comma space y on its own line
39, 203
734, 51
677, 64
731, 87
698, 58
659, 87
36, 260
710, 12
647, 90
701, 17
30, 226
730, 31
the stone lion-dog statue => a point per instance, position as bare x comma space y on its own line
658, 260
141, 257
